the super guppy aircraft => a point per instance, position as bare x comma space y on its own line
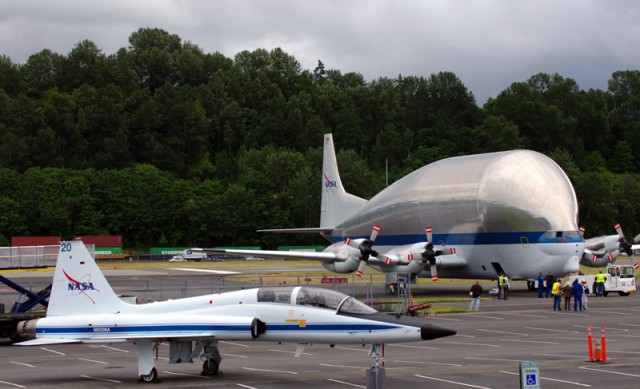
84, 309
513, 211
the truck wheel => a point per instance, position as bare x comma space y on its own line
623, 293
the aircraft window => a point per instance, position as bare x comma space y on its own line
275, 295
322, 298
351, 305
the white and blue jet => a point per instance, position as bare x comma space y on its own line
83, 308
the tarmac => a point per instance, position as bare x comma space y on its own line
486, 352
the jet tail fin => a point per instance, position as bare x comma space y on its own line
79, 287
337, 204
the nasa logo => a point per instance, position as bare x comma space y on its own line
329, 183
80, 286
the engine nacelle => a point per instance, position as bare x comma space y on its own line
27, 329
349, 258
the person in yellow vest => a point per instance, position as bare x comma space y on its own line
599, 284
504, 285
556, 292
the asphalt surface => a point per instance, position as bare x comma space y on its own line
485, 353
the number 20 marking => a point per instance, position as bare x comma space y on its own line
65, 247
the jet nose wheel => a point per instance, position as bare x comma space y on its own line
210, 367
151, 377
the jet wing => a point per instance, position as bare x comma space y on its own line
319, 256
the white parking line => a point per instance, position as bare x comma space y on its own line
12, 384
451, 382
552, 330
345, 383
234, 355
288, 352
524, 315
21, 364
52, 351
185, 374
428, 363
234, 344
94, 361
608, 371
114, 349
502, 332
271, 371
408, 346
101, 379
528, 341
474, 344
344, 366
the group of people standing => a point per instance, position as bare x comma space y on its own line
578, 291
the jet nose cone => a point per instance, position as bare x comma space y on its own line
428, 332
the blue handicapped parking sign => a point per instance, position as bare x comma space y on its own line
531, 379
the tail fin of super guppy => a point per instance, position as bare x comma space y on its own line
79, 287
337, 204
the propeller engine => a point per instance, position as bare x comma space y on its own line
365, 246
624, 247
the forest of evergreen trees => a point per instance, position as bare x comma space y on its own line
167, 145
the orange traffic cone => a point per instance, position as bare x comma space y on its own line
598, 351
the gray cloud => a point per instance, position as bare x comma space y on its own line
487, 43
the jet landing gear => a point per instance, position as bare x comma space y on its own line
376, 376
151, 377
179, 352
212, 358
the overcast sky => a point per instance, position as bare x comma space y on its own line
488, 44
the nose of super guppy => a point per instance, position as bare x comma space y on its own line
428, 332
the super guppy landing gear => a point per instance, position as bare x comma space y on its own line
179, 352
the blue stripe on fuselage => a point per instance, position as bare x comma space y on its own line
473, 238
166, 330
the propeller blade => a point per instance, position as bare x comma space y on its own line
374, 233
619, 229
582, 230
634, 261
429, 234
636, 239
361, 268
434, 272
613, 255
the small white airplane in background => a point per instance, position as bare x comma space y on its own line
84, 309
514, 212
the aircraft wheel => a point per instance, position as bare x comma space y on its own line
151, 377
605, 293
210, 367
531, 285
623, 293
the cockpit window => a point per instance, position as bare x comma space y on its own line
275, 295
322, 298
351, 305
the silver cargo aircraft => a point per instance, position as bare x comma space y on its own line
514, 212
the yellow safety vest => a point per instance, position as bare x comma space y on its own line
600, 278
504, 280
556, 289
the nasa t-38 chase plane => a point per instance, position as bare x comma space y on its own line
84, 309
514, 212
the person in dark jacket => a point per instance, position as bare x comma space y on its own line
540, 285
475, 293
577, 290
